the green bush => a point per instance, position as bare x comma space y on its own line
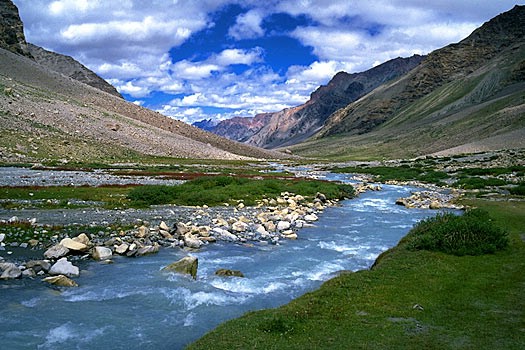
518, 190
400, 173
473, 233
227, 189
470, 183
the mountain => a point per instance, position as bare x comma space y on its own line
205, 124
69, 66
12, 38
293, 125
46, 115
241, 128
466, 96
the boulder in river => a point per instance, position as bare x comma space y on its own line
10, 271
229, 273
149, 249
56, 251
61, 281
187, 265
64, 267
101, 253
38, 265
122, 248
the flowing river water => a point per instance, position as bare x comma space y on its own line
132, 304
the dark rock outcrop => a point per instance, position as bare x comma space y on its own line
12, 38
12, 30
70, 67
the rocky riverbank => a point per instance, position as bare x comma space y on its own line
268, 223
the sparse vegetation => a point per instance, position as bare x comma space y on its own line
226, 189
400, 173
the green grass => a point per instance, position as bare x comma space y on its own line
409, 300
518, 190
400, 173
226, 189
471, 183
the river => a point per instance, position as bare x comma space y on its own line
132, 304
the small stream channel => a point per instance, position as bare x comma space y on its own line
132, 304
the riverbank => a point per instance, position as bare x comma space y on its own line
410, 300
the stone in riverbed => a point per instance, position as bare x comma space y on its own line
224, 235
82, 238
122, 248
142, 232
187, 265
64, 267
2, 237
283, 225
38, 265
239, 226
229, 273
101, 253
192, 242
56, 251
61, 281
73, 245
149, 249
311, 217
163, 226
10, 271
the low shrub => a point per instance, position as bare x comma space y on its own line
473, 233
471, 183
400, 173
518, 190
227, 189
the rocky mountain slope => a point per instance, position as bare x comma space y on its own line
293, 125
48, 115
69, 66
469, 93
241, 129
12, 38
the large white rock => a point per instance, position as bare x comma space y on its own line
64, 267
239, 226
73, 245
163, 226
101, 253
283, 225
9, 271
311, 217
82, 238
56, 251
191, 242
2, 237
224, 235
121, 249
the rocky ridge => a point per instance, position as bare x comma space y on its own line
452, 98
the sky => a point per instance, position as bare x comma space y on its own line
217, 59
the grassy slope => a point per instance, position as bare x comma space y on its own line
466, 302
481, 105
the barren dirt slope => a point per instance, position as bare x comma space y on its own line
44, 114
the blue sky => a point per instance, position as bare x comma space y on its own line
200, 59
